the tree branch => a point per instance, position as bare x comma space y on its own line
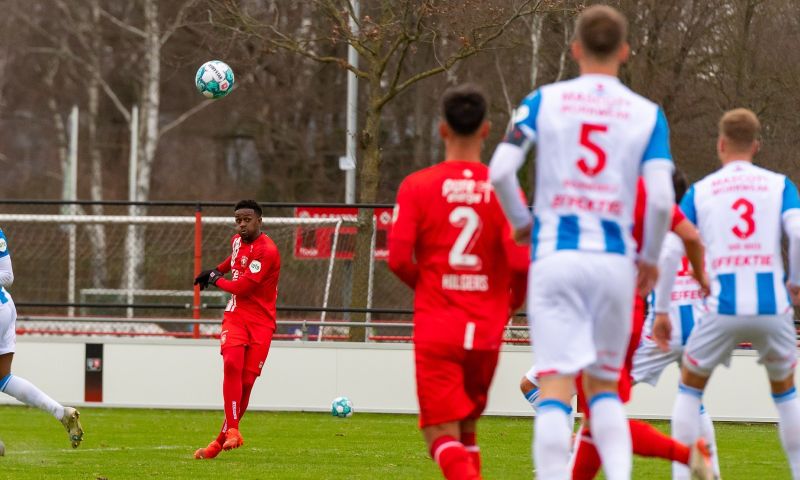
185, 115
116, 21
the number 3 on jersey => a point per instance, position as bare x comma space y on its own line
745, 209
467, 219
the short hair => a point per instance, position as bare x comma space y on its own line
740, 127
680, 184
601, 30
252, 204
464, 108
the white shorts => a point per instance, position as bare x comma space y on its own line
8, 327
715, 336
579, 313
649, 361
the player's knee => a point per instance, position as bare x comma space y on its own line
526, 385
781, 386
232, 367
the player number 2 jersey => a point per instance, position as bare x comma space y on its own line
464, 252
592, 135
739, 211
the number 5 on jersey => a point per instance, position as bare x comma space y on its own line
599, 154
467, 219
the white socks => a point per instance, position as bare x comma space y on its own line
685, 423
552, 440
27, 393
708, 433
788, 406
611, 435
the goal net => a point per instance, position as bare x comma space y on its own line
121, 274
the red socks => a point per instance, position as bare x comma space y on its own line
647, 442
470, 441
650, 442
453, 459
586, 462
233, 362
248, 380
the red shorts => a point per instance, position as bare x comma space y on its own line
256, 337
452, 383
625, 380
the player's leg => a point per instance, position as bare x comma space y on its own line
611, 312
443, 404
233, 368
586, 461
529, 387
23, 390
711, 343
478, 371
778, 352
708, 434
469, 438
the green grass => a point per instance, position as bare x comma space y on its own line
158, 444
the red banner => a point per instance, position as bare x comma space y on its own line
316, 241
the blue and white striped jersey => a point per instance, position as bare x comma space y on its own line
739, 211
593, 135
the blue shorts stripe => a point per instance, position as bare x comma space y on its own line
727, 294
687, 321
3, 296
4, 382
568, 233
765, 290
613, 237
555, 404
603, 396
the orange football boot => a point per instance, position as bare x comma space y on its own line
233, 439
211, 451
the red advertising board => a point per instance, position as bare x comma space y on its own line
315, 241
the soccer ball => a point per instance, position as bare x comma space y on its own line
342, 407
214, 79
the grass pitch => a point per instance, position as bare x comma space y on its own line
158, 444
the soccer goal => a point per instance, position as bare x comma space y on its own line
72, 268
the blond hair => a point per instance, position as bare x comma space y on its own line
740, 127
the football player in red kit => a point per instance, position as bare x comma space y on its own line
451, 243
249, 319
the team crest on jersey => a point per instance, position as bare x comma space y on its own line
244, 260
255, 266
3, 245
223, 336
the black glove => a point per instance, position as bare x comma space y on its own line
214, 276
202, 279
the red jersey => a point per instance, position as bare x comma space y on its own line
254, 285
465, 257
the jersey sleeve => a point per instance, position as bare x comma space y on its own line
406, 215
677, 218
687, 205
791, 198
4, 251
225, 266
658, 146
523, 131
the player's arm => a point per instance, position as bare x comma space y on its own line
6, 272
519, 259
225, 266
205, 276
791, 225
693, 245
508, 158
668, 263
264, 260
402, 236
657, 169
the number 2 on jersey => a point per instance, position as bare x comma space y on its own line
599, 153
745, 210
467, 219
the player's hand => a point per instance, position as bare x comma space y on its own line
662, 331
705, 283
794, 293
522, 235
214, 276
646, 278
202, 279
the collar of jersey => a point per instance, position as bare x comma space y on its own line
737, 162
600, 76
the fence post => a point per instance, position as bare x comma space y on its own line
198, 265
